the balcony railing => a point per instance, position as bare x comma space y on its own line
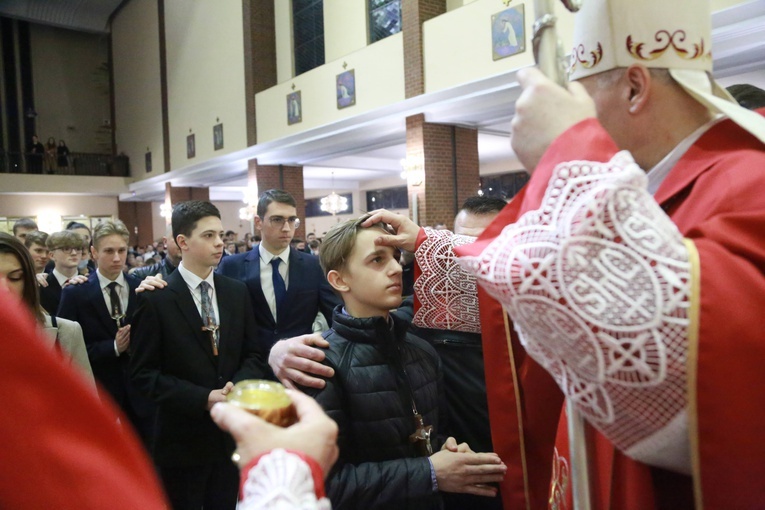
78, 163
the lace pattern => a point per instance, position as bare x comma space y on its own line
597, 284
447, 293
281, 481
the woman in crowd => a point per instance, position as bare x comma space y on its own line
17, 273
50, 155
63, 154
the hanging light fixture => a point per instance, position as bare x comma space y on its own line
334, 203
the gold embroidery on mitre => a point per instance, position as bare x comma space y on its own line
559, 482
674, 40
588, 62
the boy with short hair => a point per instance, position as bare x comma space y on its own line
65, 250
385, 391
35, 242
191, 342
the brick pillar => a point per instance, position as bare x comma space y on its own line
259, 56
413, 14
184, 194
137, 217
287, 178
448, 157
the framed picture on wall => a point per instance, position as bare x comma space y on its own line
508, 35
148, 162
191, 146
218, 136
346, 89
294, 108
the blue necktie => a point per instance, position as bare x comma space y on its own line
280, 289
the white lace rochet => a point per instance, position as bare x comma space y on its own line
281, 481
597, 283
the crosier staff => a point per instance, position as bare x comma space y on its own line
550, 62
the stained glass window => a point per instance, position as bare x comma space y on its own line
384, 18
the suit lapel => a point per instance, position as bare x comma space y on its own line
226, 318
252, 279
132, 284
295, 273
188, 308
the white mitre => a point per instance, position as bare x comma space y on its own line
666, 34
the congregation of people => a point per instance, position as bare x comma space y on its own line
441, 368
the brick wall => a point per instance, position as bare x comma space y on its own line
259, 56
413, 14
137, 218
434, 147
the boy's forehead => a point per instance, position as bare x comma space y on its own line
208, 223
280, 209
365, 242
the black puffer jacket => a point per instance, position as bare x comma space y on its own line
373, 361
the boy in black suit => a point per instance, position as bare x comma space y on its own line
66, 251
191, 342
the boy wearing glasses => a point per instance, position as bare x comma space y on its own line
65, 251
288, 288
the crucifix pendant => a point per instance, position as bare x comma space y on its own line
212, 329
117, 318
421, 436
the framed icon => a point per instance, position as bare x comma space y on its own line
191, 146
294, 108
148, 162
218, 136
346, 89
508, 35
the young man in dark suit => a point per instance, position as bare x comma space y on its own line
288, 302
191, 342
103, 306
65, 249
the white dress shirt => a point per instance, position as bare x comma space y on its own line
266, 274
192, 282
62, 278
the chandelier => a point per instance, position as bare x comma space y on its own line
334, 203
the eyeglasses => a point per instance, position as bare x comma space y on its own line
278, 221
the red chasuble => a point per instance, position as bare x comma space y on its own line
714, 195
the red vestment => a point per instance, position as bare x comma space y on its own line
713, 195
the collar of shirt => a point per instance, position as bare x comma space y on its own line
193, 280
62, 278
266, 256
658, 173
104, 281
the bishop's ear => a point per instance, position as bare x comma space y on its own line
335, 279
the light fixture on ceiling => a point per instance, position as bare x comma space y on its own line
334, 203
165, 210
250, 209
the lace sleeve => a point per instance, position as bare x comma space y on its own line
597, 282
281, 481
446, 292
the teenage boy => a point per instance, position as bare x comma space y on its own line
104, 305
65, 250
191, 343
384, 394
36, 243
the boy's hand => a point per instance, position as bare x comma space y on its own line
123, 339
151, 283
451, 445
216, 396
76, 280
468, 472
294, 361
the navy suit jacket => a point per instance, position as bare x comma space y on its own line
173, 364
85, 304
50, 296
307, 294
